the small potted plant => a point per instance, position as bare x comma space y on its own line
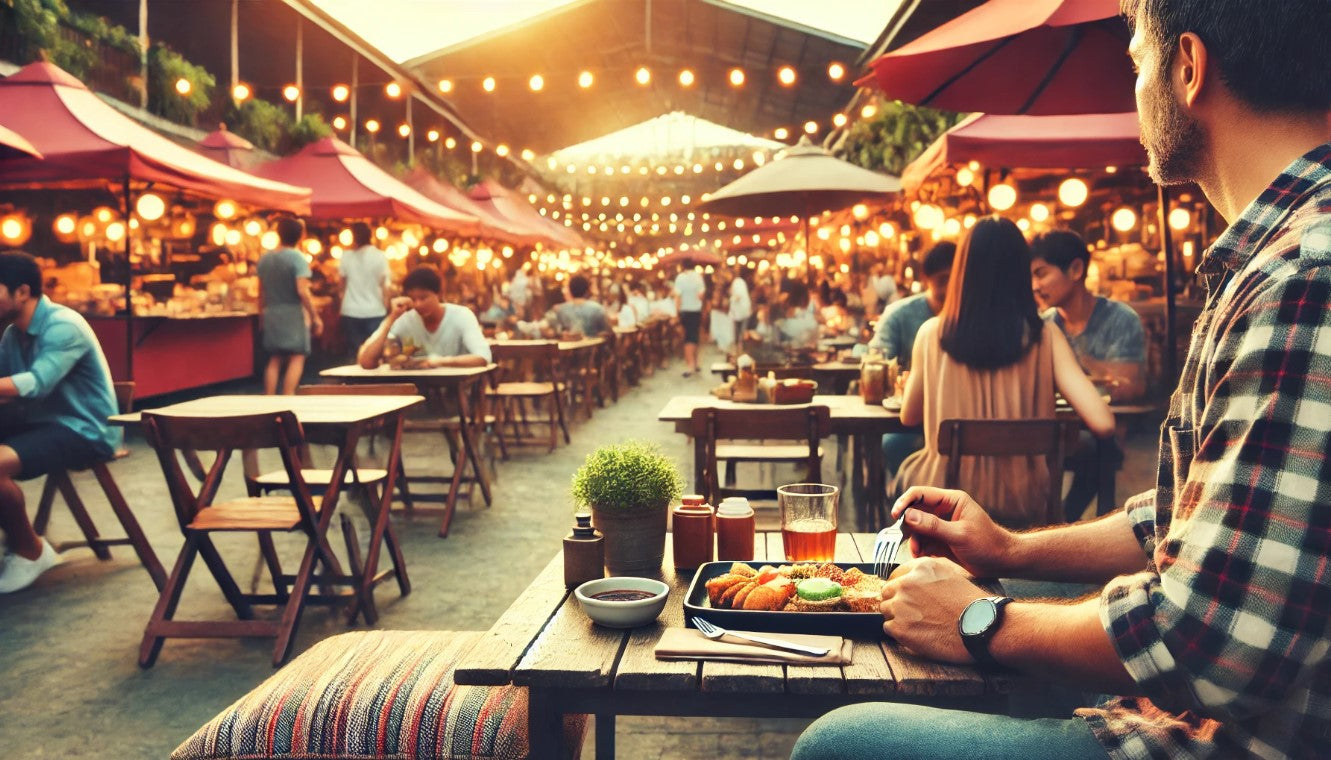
629, 488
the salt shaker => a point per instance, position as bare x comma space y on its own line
584, 552
734, 530
691, 526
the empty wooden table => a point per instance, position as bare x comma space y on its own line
572, 666
463, 386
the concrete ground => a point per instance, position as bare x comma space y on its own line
68, 645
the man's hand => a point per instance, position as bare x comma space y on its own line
316, 325
397, 307
949, 524
922, 604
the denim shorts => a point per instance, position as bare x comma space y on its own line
49, 446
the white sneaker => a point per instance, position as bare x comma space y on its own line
19, 572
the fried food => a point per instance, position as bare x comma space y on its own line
739, 568
718, 585
769, 588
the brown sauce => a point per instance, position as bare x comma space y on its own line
623, 595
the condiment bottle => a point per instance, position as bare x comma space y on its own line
584, 552
734, 530
691, 525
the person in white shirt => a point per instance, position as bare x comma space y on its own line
440, 334
641, 306
689, 291
741, 308
519, 292
366, 286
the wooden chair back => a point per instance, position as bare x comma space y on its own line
536, 360
124, 396
1051, 439
808, 424
170, 435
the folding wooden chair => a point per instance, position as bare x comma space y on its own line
200, 516
528, 372
59, 481
1051, 439
806, 424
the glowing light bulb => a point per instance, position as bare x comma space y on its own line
811, 127
1180, 219
445, 86
432, 135
536, 83
339, 123
150, 207
585, 79
786, 76
781, 133
643, 75
65, 224
393, 90
404, 130
836, 72
1124, 219
241, 92
965, 177
839, 120
686, 78
488, 84
1073, 192
372, 126
868, 112
1002, 197
291, 92
736, 77
184, 86
341, 92
1039, 213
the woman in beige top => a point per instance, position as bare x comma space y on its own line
988, 355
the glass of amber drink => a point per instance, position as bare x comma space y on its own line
808, 521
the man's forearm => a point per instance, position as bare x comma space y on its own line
373, 349
1064, 642
1085, 552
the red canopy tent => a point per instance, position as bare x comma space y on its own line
346, 185
492, 224
1032, 142
86, 141
14, 145
228, 148
1017, 57
500, 200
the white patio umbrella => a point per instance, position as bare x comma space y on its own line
802, 181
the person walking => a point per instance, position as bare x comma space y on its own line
287, 313
689, 291
366, 287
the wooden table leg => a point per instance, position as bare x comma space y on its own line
470, 425
545, 725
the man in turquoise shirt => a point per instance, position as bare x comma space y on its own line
53, 370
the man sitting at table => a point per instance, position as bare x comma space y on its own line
438, 334
53, 368
579, 314
1213, 626
1106, 336
894, 336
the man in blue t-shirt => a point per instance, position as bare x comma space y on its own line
1107, 337
58, 393
895, 337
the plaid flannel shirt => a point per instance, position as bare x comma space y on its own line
1227, 630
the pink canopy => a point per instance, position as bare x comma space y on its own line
85, 140
228, 147
492, 224
500, 200
14, 145
1033, 142
346, 185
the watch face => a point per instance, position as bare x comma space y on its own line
977, 617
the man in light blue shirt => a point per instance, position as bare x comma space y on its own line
54, 375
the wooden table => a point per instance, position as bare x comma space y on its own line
572, 666
348, 416
866, 423
463, 386
833, 377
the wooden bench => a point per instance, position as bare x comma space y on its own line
375, 694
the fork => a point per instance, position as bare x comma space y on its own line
885, 548
712, 631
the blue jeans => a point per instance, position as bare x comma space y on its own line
358, 330
898, 446
890, 730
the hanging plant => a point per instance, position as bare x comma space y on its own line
166, 70
897, 135
259, 121
310, 128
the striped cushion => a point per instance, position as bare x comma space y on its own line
374, 694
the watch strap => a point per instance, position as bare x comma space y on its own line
977, 644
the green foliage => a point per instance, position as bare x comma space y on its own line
897, 135
259, 121
310, 128
113, 35
165, 68
628, 477
38, 24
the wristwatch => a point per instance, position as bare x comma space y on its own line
978, 624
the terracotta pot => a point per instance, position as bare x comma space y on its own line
634, 541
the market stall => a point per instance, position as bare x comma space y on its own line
492, 225
503, 202
121, 214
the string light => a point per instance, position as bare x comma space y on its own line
1124, 219
341, 92
811, 127
150, 207
686, 78
1039, 213
445, 86
836, 72
450, 142
528, 154
291, 92
241, 92
476, 146
339, 123
1002, 197
869, 111
839, 120
432, 135
488, 84
1180, 219
585, 79
536, 83
501, 150
184, 86
372, 126
1073, 192
786, 76
781, 133
393, 90
643, 75
404, 130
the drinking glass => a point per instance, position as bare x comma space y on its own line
809, 521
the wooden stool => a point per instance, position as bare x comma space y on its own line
59, 480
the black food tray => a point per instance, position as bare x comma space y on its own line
855, 624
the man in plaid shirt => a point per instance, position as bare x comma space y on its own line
1215, 618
